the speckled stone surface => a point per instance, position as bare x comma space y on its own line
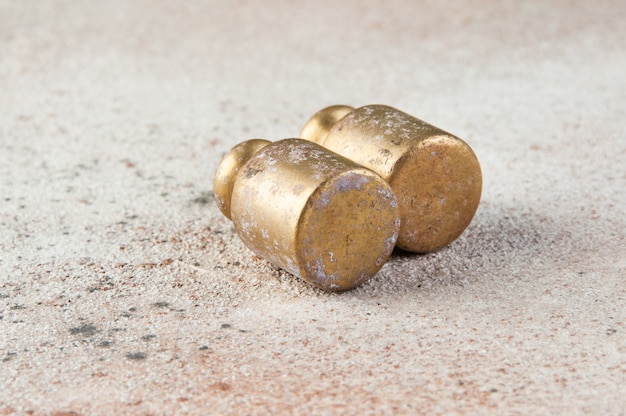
123, 290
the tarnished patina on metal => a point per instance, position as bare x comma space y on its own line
435, 175
310, 211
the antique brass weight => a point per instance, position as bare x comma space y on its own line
308, 210
435, 175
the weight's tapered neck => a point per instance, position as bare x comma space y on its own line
318, 126
228, 168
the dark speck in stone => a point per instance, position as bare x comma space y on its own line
136, 356
204, 198
86, 330
9, 356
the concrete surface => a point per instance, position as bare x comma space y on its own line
124, 291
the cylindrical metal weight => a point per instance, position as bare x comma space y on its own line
435, 175
309, 211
